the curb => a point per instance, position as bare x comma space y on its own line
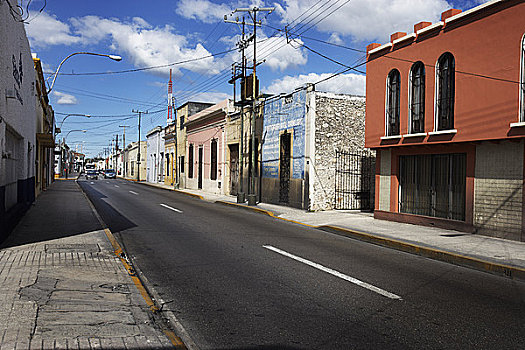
508, 271
184, 341
263, 211
169, 189
137, 277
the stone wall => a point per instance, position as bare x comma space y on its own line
498, 189
339, 125
384, 180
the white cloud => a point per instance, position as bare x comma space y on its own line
364, 20
211, 97
202, 10
335, 39
277, 53
353, 84
209, 12
136, 40
64, 99
46, 30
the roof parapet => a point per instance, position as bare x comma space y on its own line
449, 13
421, 25
396, 36
372, 46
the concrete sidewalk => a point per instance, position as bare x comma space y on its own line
494, 255
62, 286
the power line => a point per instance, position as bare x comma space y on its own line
150, 67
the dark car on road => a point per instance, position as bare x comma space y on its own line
91, 174
110, 174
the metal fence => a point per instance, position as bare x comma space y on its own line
354, 176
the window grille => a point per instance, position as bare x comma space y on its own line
392, 103
190, 161
522, 82
213, 167
445, 92
417, 98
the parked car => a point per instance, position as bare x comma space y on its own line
91, 174
110, 174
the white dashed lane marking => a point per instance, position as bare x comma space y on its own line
171, 208
336, 273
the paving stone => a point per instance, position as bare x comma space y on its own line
95, 297
50, 319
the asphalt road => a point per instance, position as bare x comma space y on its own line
241, 280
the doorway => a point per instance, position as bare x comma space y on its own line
199, 185
433, 185
284, 167
234, 169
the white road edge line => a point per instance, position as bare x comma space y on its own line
336, 273
135, 193
170, 208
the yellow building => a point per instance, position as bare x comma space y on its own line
45, 138
175, 160
169, 154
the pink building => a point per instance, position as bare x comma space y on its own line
205, 164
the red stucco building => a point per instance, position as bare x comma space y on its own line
445, 112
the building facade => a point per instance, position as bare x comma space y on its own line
45, 132
155, 155
135, 169
17, 119
305, 136
205, 148
175, 143
446, 115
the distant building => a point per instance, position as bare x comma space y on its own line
136, 168
446, 115
205, 148
155, 155
175, 143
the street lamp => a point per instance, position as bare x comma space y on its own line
73, 114
113, 57
69, 132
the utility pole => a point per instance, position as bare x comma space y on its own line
253, 160
138, 157
124, 150
116, 152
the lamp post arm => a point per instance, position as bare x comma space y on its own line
113, 57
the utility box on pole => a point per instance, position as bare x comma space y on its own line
247, 87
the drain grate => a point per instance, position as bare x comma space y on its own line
63, 248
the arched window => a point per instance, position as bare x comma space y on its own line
392, 103
445, 73
522, 82
417, 99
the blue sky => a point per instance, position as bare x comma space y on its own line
158, 33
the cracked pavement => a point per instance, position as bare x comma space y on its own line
70, 292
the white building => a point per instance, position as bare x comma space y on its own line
17, 119
155, 155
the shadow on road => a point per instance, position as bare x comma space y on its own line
113, 218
